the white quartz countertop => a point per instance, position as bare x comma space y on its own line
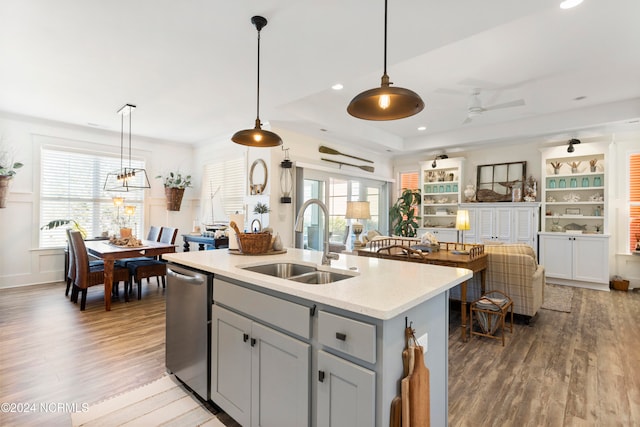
379, 288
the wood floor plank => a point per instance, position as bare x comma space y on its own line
565, 369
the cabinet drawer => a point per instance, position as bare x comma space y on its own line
350, 336
287, 315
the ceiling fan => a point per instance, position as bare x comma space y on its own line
475, 107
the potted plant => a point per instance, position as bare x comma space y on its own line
7, 171
402, 214
174, 186
261, 209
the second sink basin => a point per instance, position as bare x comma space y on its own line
320, 277
301, 273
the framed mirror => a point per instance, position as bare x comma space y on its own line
258, 175
501, 182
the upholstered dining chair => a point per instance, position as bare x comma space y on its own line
87, 275
146, 268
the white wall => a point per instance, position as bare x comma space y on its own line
21, 261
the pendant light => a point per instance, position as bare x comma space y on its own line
385, 102
126, 178
257, 137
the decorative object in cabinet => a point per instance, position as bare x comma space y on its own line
577, 192
441, 189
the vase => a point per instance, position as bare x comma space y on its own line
593, 168
4, 190
469, 193
125, 232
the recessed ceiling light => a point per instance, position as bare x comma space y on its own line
579, 98
568, 4
422, 128
337, 86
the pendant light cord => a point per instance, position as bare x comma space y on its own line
385, 37
258, 85
130, 114
121, 141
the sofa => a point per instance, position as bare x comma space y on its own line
514, 270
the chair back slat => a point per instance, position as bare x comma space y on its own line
154, 233
81, 259
168, 235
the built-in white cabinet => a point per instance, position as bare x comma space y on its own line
441, 194
346, 393
505, 222
260, 374
576, 258
574, 241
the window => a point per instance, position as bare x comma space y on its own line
410, 180
71, 187
335, 192
634, 200
223, 189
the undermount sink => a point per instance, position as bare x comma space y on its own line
301, 273
283, 270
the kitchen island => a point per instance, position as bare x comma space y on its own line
290, 353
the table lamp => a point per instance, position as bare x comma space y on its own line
462, 224
358, 210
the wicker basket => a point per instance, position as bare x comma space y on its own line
252, 243
174, 198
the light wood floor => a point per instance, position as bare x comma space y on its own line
566, 369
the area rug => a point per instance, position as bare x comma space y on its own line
557, 298
164, 402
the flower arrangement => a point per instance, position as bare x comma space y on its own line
556, 166
175, 180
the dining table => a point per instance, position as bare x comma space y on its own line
109, 253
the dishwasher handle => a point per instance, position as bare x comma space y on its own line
193, 280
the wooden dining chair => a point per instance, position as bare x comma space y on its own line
87, 275
142, 269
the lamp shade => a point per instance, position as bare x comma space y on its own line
385, 103
462, 220
358, 210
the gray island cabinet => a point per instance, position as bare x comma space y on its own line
285, 353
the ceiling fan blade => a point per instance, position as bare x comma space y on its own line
467, 121
516, 103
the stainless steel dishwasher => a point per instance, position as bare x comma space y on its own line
188, 332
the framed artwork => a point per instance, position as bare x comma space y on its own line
498, 182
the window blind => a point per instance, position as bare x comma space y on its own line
71, 188
223, 188
409, 180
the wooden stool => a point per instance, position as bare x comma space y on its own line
490, 312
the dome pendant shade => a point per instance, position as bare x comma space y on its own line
385, 103
257, 137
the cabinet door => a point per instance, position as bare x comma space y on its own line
556, 256
525, 226
346, 393
590, 257
444, 234
280, 379
231, 364
472, 235
503, 225
485, 222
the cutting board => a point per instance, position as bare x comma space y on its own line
396, 412
407, 359
419, 397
